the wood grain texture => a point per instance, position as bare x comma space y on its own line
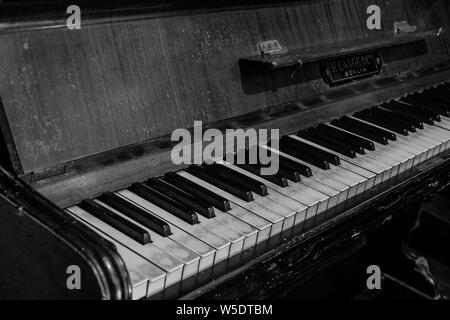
69, 94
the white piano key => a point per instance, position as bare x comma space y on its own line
335, 179
190, 259
444, 123
275, 219
296, 208
368, 175
203, 250
401, 160
228, 221
428, 136
422, 139
272, 202
146, 278
381, 151
438, 134
406, 143
332, 178
348, 177
262, 226
236, 238
336, 192
170, 264
216, 241
316, 201
415, 144
382, 168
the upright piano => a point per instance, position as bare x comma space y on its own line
87, 182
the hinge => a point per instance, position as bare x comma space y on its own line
270, 47
402, 27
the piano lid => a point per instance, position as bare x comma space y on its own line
124, 79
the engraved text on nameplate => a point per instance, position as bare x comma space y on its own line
338, 70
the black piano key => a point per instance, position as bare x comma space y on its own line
237, 177
414, 104
393, 117
440, 94
197, 191
346, 137
166, 203
182, 197
289, 164
360, 131
410, 118
290, 173
247, 154
370, 128
353, 147
327, 142
445, 86
123, 225
389, 119
420, 106
256, 170
306, 149
441, 110
330, 142
288, 148
137, 214
443, 95
219, 182
416, 120
410, 123
438, 98
403, 109
438, 106
381, 122
234, 179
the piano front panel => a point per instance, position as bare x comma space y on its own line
109, 81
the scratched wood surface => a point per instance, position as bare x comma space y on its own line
69, 94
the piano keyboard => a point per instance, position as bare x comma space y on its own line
169, 229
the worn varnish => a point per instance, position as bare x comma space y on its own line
69, 94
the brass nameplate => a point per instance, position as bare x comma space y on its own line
339, 70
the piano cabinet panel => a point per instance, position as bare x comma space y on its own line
117, 81
34, 262
39, 245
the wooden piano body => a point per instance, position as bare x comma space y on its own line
92, 110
